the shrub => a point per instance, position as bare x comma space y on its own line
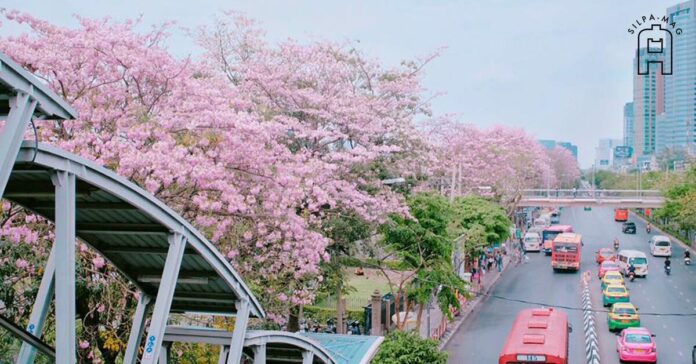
408, 348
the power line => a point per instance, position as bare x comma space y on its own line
571, 308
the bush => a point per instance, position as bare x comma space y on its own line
408, 348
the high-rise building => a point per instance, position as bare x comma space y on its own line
550, 144
604, 153
648, 101
628, 127
676, 128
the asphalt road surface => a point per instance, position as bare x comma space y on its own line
480, 339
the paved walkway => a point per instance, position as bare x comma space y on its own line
487, 282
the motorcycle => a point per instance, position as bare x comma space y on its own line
632, 276
648, 229
616, 245
687, 260
330, 327
354, 328
668, 269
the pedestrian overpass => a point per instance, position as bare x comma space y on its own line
592, 198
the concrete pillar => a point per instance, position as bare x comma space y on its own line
376, 300
340, 316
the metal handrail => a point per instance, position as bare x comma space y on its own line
27, 337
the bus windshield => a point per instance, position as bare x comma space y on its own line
550, 235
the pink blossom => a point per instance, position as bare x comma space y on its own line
98, 262
83, 344
21, 263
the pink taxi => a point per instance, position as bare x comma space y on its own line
636, 344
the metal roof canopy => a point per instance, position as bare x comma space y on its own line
134, 231
264, 346
14, 79
130, 228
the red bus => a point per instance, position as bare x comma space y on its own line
567, 251
550, 233
538, 336
620, 215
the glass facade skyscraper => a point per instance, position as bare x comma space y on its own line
676, 128
628, 126
648, 101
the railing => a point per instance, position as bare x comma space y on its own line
585, 193
627, 198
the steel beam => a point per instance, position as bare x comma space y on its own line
22, 108
307, 357
260, 354
137, 329
42, 303
224, 352
64, 249
165, 294
239, 333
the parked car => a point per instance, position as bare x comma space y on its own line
636, 344
607, 266
605, 254
660, 245
623, 315
628, 227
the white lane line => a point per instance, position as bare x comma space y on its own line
681, 293
652, 306
671, 339
680, 353
664, 326
688, 300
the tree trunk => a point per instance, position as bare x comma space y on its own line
340, 327
419, 318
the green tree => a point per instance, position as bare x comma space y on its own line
408, 348
423, 245
478, 223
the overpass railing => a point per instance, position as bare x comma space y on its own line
592, 194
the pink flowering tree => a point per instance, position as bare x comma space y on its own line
258, 145
564, 167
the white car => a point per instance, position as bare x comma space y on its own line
639, 260
660, 246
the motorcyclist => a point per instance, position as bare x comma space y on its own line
631, 271
687, 254
616, 243
668, 265
648, 227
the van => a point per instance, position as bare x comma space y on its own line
541, 222
531, 242
637, 258
660, 246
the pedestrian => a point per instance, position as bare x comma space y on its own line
490, 262
499, 262
575, 192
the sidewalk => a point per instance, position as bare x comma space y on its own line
487, 281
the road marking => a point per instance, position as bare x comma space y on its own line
688, 300
671, 339
664, 326
680, 353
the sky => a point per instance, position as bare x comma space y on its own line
559, 69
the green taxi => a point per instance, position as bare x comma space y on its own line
612, 277
623, 315
614, 293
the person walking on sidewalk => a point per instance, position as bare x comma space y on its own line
499, 262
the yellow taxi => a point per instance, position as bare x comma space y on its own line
612, 277
615, 293
623, 315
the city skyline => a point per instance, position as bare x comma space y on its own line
502, 70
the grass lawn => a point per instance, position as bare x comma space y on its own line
364, 286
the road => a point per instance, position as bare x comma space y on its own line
480, 339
